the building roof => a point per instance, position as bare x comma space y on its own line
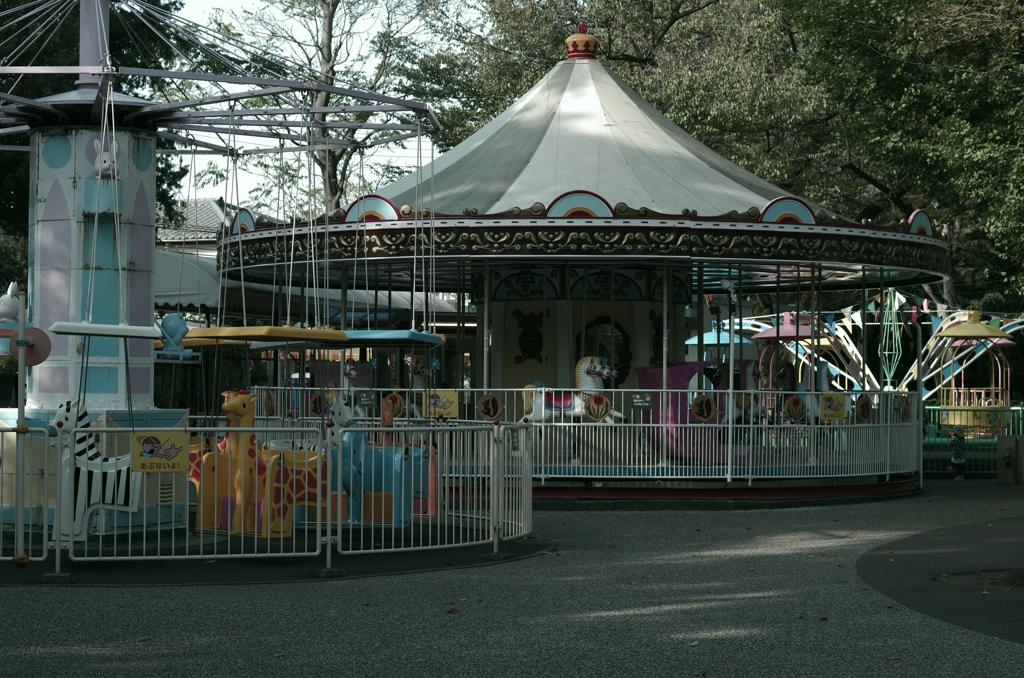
582, 128
201, 220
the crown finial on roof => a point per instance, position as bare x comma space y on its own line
582, 45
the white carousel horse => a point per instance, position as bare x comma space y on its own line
347, 391
9, 303
340, 414
546, 403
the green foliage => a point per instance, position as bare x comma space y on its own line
931, 94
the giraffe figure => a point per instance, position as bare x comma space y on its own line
240, 448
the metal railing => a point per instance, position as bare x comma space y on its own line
403, 488
210, 492
26, 517
982, 427
238, 498
681, 434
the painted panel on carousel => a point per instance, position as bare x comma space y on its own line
371, 208
243, 222
921, 224
680, 290
525, 284
531, 335
579, 205
833, 407
787, 210
606, 285
602, 335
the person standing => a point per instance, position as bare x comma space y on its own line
957, 452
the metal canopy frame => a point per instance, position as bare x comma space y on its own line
233, 129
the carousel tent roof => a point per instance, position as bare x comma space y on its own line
582, 128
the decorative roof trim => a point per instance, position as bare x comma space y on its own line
787, 209
578, 205
371, 208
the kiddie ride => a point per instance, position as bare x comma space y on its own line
362, 477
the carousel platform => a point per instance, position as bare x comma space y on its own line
260, 570
701, 495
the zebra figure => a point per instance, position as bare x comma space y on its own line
92, 481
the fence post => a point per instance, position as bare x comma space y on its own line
58, 540
324, 488
19, 440
495, 490
887, 427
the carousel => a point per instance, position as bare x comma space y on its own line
592, 250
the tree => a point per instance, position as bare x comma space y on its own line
348, 43
930, 95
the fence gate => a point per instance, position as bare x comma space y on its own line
513, 470
28, 482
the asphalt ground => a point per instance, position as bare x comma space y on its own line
767, 592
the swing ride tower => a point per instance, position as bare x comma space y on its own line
91, 236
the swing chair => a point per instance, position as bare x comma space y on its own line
980, 409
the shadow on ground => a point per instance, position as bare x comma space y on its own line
968, 575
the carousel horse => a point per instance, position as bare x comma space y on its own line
9, 303
544, 403
242, 453
347, 391
96, 481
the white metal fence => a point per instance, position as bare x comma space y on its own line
426, 487
981, 426
240, 497
263, 492
26, 512
675, 434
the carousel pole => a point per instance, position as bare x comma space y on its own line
344, 299
19, 459
93, 39
486, 333
664, 332
461, 325
799, 361
700, 314
663, 398
863, 329
730, 404
919, 406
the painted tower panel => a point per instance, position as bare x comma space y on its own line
90, 244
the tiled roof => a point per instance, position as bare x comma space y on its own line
200, 220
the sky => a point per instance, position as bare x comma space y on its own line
199, 10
